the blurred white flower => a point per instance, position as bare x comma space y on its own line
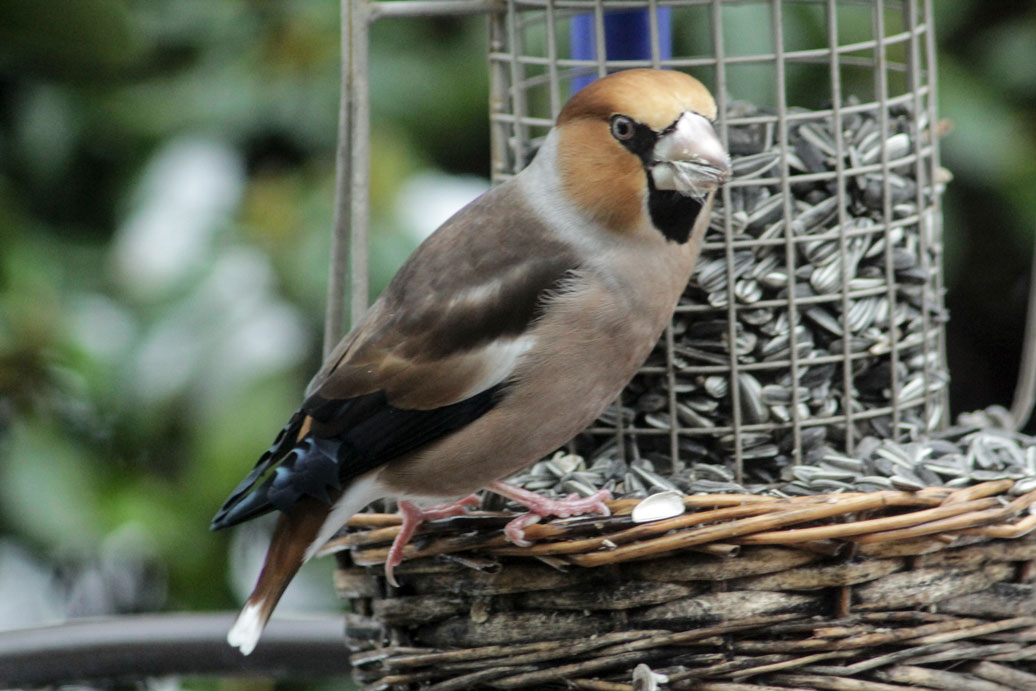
428, 198
188, 189
232, 329
31, 595
101, 326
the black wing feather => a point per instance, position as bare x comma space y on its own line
370, 432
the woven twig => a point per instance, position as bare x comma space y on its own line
504, 667
742, 593
746, 519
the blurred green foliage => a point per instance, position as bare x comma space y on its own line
987, 90
166, 177
166, 174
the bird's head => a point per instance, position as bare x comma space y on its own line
641, 140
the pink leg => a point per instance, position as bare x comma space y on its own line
413, 517
540, 506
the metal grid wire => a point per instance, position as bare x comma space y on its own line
720, 385
863, 356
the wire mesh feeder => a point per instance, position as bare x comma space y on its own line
815, 314
837, 534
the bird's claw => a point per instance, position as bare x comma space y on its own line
515, 530
456, 508
413, 517
540, 506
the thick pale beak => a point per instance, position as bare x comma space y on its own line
690, 158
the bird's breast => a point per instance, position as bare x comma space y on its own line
590, 341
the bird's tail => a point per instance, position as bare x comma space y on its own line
300, 531
289, 550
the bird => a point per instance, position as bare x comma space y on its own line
506, 333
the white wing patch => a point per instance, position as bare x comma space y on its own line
474, 296
499, 360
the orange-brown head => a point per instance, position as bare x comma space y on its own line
641, 141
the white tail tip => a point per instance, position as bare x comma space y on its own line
247, 628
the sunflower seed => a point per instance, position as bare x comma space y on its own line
753, 409
755, 165
653, 479
658, 506
906, 484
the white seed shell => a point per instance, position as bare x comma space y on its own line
658, 506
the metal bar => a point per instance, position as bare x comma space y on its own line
578, 5
552, 61
882, 95
335, 309
520, 132
674, 416
600, 45
770, 427
775, 364
600, 54
1025, 388
733, 374
789, 234
359, 80
811, 56
498, 99
721, 367
156, 645
904, 222
924, 184
654, 38
720, 94
430, 8
654, 41
936, 215
840, 185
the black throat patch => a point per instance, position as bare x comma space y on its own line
671, 212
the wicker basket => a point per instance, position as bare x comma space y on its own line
880, 590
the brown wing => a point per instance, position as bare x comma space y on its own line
455, 314
433, 354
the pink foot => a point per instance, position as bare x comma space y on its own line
413, 517
540, 506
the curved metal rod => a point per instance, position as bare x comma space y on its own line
340, 250
1025, 389
169, 644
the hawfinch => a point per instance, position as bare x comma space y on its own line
507, 332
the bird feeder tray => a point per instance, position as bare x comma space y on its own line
860, 590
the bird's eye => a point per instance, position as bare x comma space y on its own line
622, 128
